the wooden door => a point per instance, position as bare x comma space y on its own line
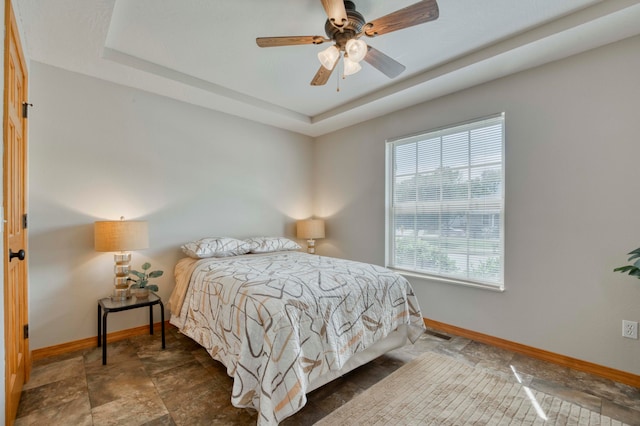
17, 359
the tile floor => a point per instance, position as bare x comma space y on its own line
139, 385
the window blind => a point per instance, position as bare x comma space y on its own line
445, 197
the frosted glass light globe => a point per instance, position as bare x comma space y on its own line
328, 57
356, 49
351, 67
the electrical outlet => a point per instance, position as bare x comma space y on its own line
630, 329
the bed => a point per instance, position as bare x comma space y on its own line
285, 323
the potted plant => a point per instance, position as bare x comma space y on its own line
633, 270
141, 287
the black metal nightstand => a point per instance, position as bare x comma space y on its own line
108, 305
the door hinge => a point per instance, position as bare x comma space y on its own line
24, 221
26, 331
25, 109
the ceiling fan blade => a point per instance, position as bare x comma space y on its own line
418, 13
288, 41
336, 12
383, 63
323, 74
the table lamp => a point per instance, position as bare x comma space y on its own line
310, 229
121, 236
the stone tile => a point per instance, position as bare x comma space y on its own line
453, 348
134, 409
157, 362
117, 353
621, 413
188, 344
76, 412
457, 343
541, 369
56, 371
97, 371
153, 343
183, 385
618, 393
52, 395
184, 340
206, 404
62, 357
575, 396
494, 360
213, 366
203, 357
487, 355
115, 384
181, 378
507, 372
165, 420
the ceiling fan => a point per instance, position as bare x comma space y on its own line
345, 26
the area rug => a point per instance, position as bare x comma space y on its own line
439, 390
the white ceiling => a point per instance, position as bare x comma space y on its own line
204, 52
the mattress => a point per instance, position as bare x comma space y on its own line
284, 323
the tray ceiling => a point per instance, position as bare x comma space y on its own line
204, 52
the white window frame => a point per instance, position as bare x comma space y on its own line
390, 231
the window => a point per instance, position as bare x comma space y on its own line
445, 203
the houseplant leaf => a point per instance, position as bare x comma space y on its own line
138, 274
634, 269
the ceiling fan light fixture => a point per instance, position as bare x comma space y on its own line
350, 66
356, 49
328, 57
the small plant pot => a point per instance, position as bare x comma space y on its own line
140, 293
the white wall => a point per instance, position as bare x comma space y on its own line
572, 203
100, 150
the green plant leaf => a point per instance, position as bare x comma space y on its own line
624, 269
138, 274
142, 283
152, 287
146, 266
155, 274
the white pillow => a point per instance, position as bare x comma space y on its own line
215, 247
269, 244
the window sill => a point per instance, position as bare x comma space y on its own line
499, 289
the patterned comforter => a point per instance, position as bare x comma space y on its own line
277, 321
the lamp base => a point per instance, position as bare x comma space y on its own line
120, 294
121, 280
311, 246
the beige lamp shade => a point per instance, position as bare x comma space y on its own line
310, 228
121, 235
